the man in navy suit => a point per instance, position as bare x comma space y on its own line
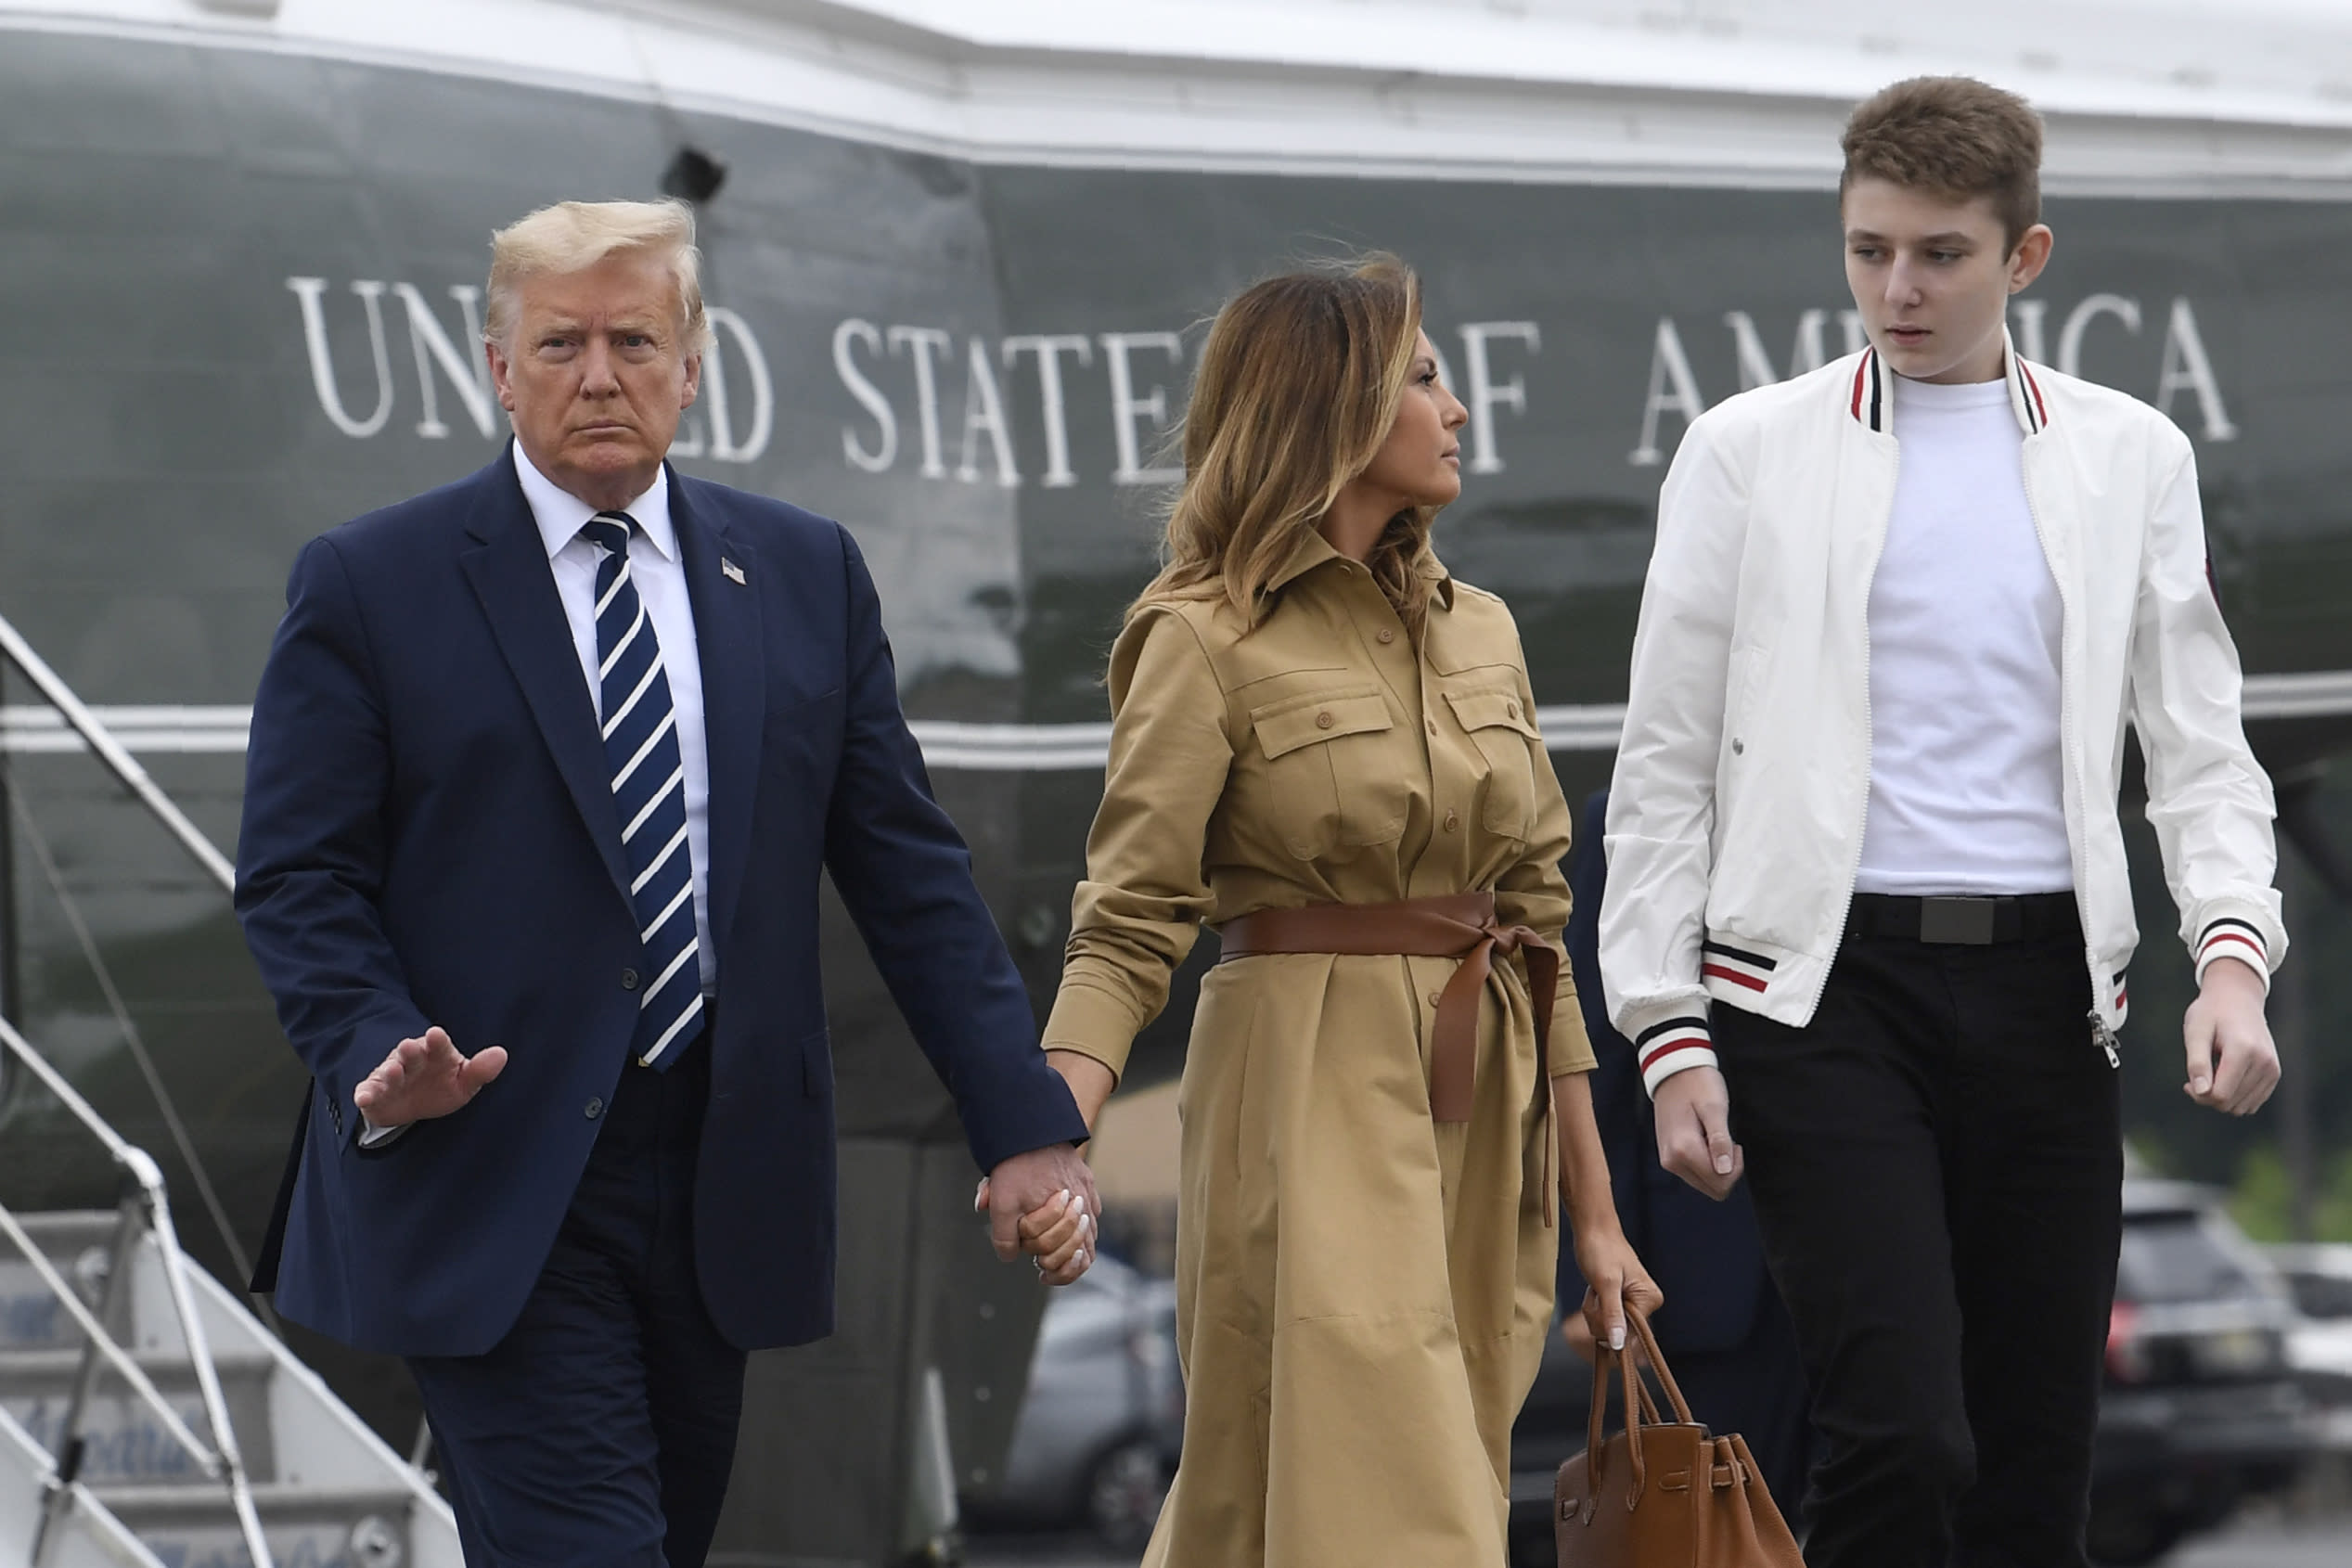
545, 766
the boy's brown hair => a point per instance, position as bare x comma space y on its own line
1955, 136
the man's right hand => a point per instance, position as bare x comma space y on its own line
1694, 1132
423, 1079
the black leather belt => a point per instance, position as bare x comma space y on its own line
1975, 923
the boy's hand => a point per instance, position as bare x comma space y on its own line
1694, 1132
2232, 1063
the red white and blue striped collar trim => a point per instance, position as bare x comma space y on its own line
2025, 396
1869, 400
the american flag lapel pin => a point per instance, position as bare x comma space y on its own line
734, 572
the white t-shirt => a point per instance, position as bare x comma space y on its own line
1966, 791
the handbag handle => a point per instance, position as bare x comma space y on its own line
1658, 1364
1639, 1406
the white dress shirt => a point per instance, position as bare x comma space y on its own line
660, 575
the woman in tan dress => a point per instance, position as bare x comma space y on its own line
1310, 717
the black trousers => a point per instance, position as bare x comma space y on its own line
1756, 1389
601, 1429
1936, 1163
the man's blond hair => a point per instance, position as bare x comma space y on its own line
574, 235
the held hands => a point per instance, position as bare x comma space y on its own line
1694, 1131
1043, 1203
425, 1077
1059, 1229
2232, 1063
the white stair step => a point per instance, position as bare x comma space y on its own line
194, 1527
328, 1491
78, 1242
125, 1440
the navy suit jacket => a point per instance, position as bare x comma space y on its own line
430, 838
1706, 1256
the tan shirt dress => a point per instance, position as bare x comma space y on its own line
1362, 1292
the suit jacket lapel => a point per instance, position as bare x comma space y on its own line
506, 563
728, 634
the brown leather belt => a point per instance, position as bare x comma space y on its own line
1456, 925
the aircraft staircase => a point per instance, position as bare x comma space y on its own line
148, 1418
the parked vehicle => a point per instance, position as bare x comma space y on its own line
2202, 1408
1095, 1444
2319, 1278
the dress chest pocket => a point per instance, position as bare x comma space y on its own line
1500, 725
1329, 783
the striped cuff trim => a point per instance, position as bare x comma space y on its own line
1735, 966
2232, 938
1664, 1049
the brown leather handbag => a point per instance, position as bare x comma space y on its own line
1663, 1494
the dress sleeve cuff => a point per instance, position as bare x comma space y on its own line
1673, 1046
1092, 1021
1571, 1049
2229, 937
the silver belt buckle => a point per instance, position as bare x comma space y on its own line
1966, 922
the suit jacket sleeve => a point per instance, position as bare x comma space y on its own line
311, 852
905, 875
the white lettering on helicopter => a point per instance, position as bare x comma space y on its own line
1140, 421
2183, 366
455, 362
1124, 390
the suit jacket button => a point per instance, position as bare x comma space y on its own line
628, 980
593, 1109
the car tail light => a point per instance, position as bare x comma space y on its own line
2127, 1353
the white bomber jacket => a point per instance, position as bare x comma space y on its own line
1735, 816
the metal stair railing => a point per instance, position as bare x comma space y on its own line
118, 762
146, 1209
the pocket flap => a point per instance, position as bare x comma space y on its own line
1302, 720
1493, 710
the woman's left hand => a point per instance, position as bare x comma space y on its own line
1616, 1280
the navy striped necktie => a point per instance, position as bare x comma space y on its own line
648, 785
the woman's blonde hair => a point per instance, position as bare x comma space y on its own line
1296, 390
574, 235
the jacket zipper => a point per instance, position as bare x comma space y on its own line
2102, 1033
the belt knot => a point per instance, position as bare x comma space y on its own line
1462, 926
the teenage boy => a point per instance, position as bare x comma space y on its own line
1900, 611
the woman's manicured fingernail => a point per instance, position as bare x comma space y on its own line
1617, 1337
